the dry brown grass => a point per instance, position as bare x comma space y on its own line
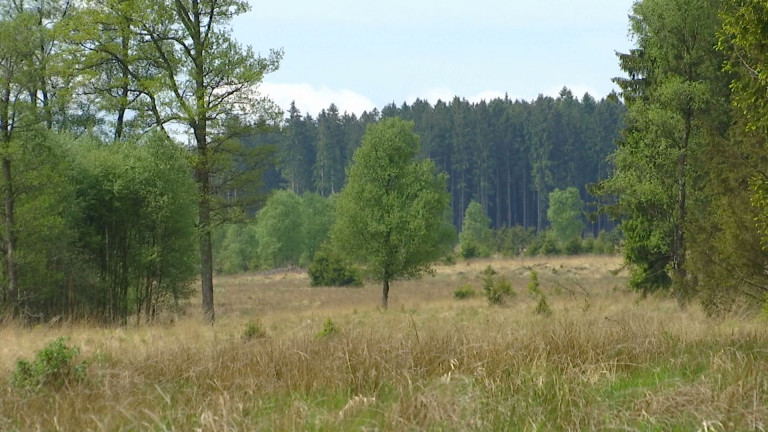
604, 360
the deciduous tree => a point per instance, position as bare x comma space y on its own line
389, 214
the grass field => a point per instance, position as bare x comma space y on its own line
603, 360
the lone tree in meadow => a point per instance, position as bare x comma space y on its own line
390, 213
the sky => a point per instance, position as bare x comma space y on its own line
362, 54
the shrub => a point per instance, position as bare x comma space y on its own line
329, 329
53, 366
469, 250
549, 246
254, 330
542, 306
573, 246
463, 292
533, 283
329, 269
496, 288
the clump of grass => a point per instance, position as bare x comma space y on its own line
254, 330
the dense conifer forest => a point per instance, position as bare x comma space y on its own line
508, 155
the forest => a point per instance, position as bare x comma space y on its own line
136, 157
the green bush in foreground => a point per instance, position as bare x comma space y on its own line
53, 366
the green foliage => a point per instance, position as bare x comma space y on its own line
566, 214
331, 269
548, 245
678, 112
137, 220
496, 289
329, 329
573, 246
513, 241
279, 230
288, 231
534, 290
464, 292
542, 306
476, 236
236, 248
390, 213
53, 366
254, 330
533, 283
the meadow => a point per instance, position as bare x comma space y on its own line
286, 356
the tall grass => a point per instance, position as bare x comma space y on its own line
439, 364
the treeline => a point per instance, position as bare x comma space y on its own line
690, 173
508, 155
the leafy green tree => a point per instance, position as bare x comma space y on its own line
136, 224
476, 236
676, 99
279, 230
389, 212
204, 79
566, 214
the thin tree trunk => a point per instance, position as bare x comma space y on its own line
678, 258
385, 294
9, 204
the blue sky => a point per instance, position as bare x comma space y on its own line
361, 54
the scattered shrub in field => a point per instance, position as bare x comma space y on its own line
463, 292
533, 283
329, 329
496, 289
329, 269
52, 366
254, 330
542, 306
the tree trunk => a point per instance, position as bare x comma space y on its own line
385, 294
9, 204
678, 258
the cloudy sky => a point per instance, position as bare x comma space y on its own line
363, 54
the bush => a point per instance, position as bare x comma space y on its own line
53, 366
542, 306
464, 292
254, 330
549, 246
469, 250
329, 269
496, 289
573, 246
329, 329
513, 241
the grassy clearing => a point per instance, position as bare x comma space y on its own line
603, 360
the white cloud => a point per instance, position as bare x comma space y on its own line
311, 100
